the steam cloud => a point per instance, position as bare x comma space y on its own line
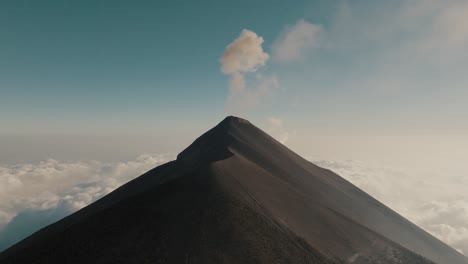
244, 54
240, 58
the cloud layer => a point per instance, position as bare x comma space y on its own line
34, 195
437, 202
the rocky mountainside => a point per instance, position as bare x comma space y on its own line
235, 195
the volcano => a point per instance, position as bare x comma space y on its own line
235, 195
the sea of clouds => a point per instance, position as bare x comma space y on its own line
436, 201
35, 195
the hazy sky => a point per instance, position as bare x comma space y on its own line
383, 82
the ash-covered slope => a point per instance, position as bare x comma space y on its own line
235, 195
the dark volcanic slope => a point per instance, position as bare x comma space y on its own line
234, 196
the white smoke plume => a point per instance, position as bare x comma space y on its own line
241, 58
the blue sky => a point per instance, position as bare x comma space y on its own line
147, 75
94, 93
107, 67
62, 58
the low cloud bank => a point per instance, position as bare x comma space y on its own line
436, 202
35, 195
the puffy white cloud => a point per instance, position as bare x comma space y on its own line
243, 57
295, 41
447, 220
436, 202
34, 195
244, 54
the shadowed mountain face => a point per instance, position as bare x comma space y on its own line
235, 195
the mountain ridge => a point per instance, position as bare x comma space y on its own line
237, 195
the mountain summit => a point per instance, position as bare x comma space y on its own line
235, 195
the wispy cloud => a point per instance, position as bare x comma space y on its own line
443, 31
296, 41
277, 129
244, 58
275, 122
401, 43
